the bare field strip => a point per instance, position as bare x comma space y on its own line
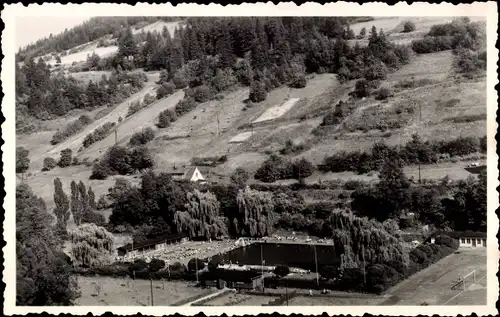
277, 111
242, 137
114, 292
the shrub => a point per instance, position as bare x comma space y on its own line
383, 93
142, 137
298, 82
202, 93
134, 107
409, 27
165, 118
102, 203
71, 129
282, 270
432, 44
184, 106
302, 168
446, 241
224, 78
377, 71
258, 92
380, 277
179, 81
101, 170
66, 158
49, 163
156, 264
98, 134
363, 88
194, 264
239, 177
166, 89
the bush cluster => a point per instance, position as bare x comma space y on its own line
142, 137
413, 152
71, 129
165, 90
98, 134
209, 161
276, 168
185, 105
138, 105
165, 118
49, 163
122, 161
459, 34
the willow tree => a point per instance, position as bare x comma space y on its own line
256, 213
91, 245
202, 216
361, 240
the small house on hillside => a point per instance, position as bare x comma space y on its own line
158, 243
472, 239
191, 174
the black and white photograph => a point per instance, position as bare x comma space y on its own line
229, 160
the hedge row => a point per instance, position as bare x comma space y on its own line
415, 151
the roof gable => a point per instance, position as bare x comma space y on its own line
190, 173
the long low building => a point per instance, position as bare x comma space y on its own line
467, 239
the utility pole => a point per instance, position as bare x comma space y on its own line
218, 122
151, 286
364, 265
196, 263
262, 266
316, 261
419, 173
116, 135
251, 125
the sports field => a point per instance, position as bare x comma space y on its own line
433, 286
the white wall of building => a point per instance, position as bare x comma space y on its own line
469, 242
472, 242
197, 176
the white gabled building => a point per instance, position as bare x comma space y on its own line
191, 174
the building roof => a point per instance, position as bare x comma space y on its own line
190, 172
475, 169
460, 234
154, 241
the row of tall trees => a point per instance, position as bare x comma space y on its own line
43, 274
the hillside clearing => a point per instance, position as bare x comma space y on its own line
75, 142
277, 111
146, 117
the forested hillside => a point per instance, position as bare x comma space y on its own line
88, 31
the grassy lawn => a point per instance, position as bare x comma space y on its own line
114, 292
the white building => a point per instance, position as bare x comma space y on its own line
466, 239
191, 174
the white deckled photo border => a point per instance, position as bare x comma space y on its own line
12, 11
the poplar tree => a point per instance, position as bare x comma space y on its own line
62, 205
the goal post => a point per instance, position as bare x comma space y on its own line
464, 280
